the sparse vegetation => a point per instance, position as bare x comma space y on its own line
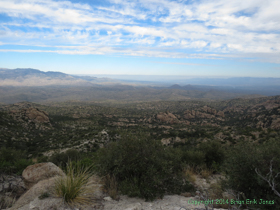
190, 174
240, 166
127, 140
110, 186
13, 161
61, 159
6, 202
44, 195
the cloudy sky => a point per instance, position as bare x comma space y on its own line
142, 37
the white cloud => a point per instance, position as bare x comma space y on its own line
187, 64
212, 26
215, 45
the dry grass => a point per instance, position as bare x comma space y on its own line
6, 202
216, 192
205, 173
73, 187
110, 186
190, 174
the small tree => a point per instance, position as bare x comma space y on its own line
245, 165
270, 178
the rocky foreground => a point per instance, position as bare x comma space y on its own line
172, 202
38, 181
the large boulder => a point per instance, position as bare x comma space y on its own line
43, 186
40, 171
42, 196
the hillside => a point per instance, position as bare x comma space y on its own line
88, 126
114, 94
202, 140
33, 85
33, 77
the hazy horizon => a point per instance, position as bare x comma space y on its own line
176, 76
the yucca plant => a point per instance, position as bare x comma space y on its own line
73, 187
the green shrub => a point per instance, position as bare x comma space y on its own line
21, 164
42, 159
61, 159
142, 167
240, 166
87, 162
193, 158
13, 161
214, 154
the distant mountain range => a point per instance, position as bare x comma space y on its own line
34, 77
182, 80
37, 86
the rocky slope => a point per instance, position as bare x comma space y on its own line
90, 126
44, 175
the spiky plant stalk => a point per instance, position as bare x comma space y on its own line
73, 187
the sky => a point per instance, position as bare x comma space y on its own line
207, 38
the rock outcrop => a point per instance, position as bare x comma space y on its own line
43, 186
204, 112
40, 196
11, 183
171, 140
275, 124
167, 118
40, 171
36, 115
29, 113
11, 188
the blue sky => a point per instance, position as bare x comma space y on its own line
142, 37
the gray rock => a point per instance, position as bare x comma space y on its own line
34, 192
40, 171
107, 198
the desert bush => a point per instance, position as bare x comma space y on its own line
193, 158
41, 158
240, 167
214, 154
190, 174
209, 154
206, 173
87, 162
73, 187
13, 161
142, 167
61, 159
